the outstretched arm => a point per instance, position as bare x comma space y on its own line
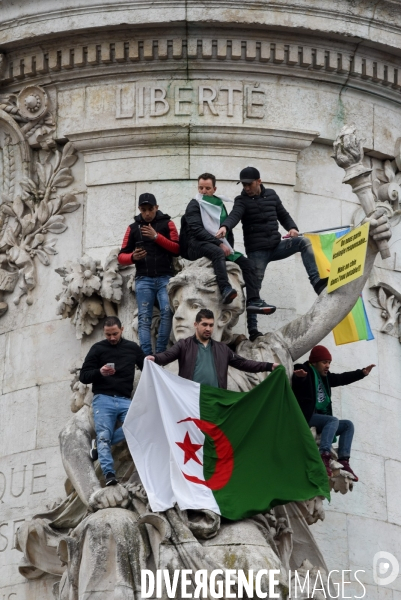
330, 309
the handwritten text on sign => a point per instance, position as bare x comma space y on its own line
349, 253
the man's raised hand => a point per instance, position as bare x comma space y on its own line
367, 369
150, 358
300, 373
222, 232
148, 231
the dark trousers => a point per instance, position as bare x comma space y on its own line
216, 255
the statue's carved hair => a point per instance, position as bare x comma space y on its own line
201, 274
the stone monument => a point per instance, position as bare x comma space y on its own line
101, 102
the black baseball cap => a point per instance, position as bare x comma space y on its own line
147, 198
248, 175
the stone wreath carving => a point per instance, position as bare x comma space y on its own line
90, 292
27, 219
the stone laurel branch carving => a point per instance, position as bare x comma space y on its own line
391, 310
26, 221
90, 291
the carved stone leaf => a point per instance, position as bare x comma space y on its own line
28, 185
69, 207
43, 213
55, 205
38, 240
28, 224
374, 302
10, 238
49, 248
382, 297
18, 206
41, 174
63, 178
389, 170
68, 161
68, 149
6, 208
43, 257
56, 228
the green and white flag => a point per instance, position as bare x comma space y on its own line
235, 453
213, 213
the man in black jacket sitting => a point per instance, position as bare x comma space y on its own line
110, 367
311, 384
260, 210
199, 226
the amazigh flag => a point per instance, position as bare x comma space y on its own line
355, 326
235, 453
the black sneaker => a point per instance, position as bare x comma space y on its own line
321, 285
253, 334
260, 307
228, 295
93, 451
111, 479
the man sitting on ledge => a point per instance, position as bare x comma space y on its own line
204, 360
311, 384
199, 226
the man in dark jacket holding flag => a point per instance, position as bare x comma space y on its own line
260, 211
203, 217
311, 384
204, 360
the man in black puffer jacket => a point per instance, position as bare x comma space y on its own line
260, 210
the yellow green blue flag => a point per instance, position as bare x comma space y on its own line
355, 326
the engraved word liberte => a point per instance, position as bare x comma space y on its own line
187, 100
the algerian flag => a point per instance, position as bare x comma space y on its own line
213, 213
235, 453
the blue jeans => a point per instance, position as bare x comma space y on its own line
147, 290
107, 410
284, 249
329, 427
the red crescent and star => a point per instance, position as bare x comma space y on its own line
225, 454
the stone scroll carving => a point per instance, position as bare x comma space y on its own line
90, 292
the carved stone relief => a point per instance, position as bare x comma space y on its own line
32, 207
90, 292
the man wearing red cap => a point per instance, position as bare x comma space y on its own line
311, 384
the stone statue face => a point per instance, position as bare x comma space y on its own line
187, 302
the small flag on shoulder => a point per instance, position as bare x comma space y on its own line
235, 453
